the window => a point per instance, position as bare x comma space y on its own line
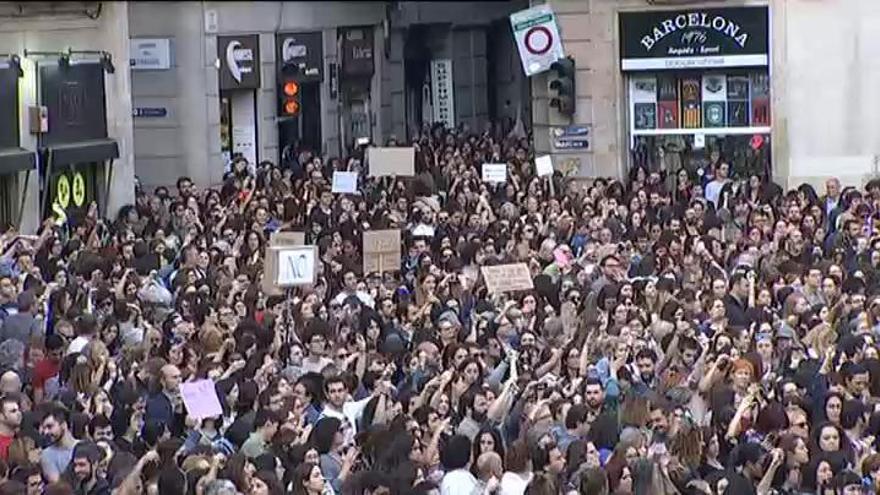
9, 201
715, 103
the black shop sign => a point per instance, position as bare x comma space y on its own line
695, 38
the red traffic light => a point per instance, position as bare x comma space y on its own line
291, 88
291, 107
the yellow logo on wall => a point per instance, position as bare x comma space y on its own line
62, 191
79, 189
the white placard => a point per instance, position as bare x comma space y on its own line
544, 165
495, 173
699, 141
345, 182
537, 38
296, 265
149, 53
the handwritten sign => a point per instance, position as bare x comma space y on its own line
381, 250
297, 265
391, 161
495, 173
345, 182
270, 288
200, 399
507, 278
544, 165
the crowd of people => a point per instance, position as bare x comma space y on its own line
692, 332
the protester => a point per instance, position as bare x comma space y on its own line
694, 333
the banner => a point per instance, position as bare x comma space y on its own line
381, 251
391, 161
507, 278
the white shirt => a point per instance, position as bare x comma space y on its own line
77, 345
459, 482
513, 483
713, 191
351, 413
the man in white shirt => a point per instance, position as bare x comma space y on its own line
338, 405
456, 458
86, 330
713, 189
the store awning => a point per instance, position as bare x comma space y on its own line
16, 160
97, 150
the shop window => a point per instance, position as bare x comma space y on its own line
683, 119
664, 103
9, 198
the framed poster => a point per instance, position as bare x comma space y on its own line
645, 115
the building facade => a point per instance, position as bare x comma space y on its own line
66, 131
206, 78
779, 86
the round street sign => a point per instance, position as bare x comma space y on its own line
79, 189
538, 40
62, 191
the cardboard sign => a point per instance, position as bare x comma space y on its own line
200, 399
507, 278
381, 251
391, 161
345, 182
289, 238
495, 173
296, 265
544, 165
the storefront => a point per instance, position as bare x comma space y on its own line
300, 59
698, 88
76, 156
355, 86
13, 159
239, 83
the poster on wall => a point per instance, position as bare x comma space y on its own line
667, 102
690, 103
694, 38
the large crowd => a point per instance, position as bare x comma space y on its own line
689, 332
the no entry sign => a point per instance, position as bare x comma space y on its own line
537, 38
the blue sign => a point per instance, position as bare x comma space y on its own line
572, 131
150, 112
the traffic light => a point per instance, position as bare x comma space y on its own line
563, 85
289, 91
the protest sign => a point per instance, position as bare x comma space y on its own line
391, 161
296, 265
289, 238
200, 399
345, 182
507, 278
495, 172
381, 250
544, 165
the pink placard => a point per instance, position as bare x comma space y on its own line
201, 399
